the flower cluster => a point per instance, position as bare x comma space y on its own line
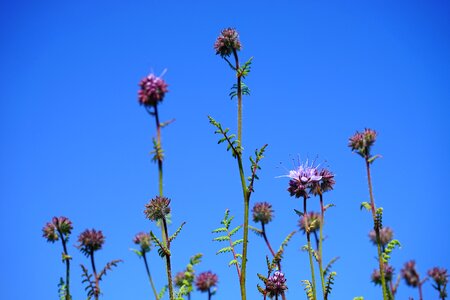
152, 90
58, 226
361, 142
313, 221
439, 276
409, 273
276, 284
386, 235
90, 241
307, 179
205, 281
388, 274
157, 209
262, 212
227, 42
179, 279
143, 240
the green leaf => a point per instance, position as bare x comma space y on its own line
237, 242
299, 213
174, 235
329, 265
373, 158
138, 253
225, 249
232, 232
389, 248
232, 262
308, 289
329, 283
222, 238
366, 205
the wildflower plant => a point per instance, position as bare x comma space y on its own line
440, 280
184, 280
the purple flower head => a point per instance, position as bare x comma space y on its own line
90, 241
157, 209
313, 219
276, 284
361, 142
152, 90
227, 42
386, 235
439, 275
388, 274
409, 273
205, 281
143, 239
179, 279
58, 226
262, 212
325, 184
302, 180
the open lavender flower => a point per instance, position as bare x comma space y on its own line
262, 212
227, 42
388, 274
386, 235
90, 241
205, 281
409, 273
302, 179
157, 209
58, 226
313, 219
143, 240
361, 142
276, 284
152, 90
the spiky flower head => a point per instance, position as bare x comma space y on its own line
302, 179
325, 184
388, 274
361, 142
386, 235
276, 284
262, 212
227, 42
143, 239
439, 275
205, 281
313, 219
90, 241
157, 209
152, 90
58, 225
409, 273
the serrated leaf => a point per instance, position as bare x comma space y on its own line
175, 234
237, 242
221, 229
232, 232
222, 238
225, 249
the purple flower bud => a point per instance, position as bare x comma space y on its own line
388, 274
227, 42
439, 276
276, 284
157, 209
361, 142
409, 273
325, 183
179, 279
313, 219
58, 225
49, 232
152, 90
90, 241
262, 212
205, 281
143, 239
386, 235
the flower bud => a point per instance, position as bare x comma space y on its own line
157, 209
152, 90
227, 42
205, 281
262, 212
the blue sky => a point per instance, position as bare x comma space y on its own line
75, 142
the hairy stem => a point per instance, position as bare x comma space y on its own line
158, 140
149, 275
308, 238
322, 217
97, 285
168, 263
377, 230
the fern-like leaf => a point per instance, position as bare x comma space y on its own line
162, 292
308, 289
158, 152
108, 267
279, 255
174, 235
90, 288
162, 250
233, 144
329, 265
329, 284
389, 248
366, 205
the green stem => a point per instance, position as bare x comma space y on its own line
67, 260
377, 230
322, 217
239, 96
149, 275
308, 238
97, 285
158, 140
168, 263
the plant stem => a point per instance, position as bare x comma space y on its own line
239, 96
209, 294
149, 275
168, 263
97, 287
377, 230
322, 217
67, 260
420, 291
158, 140
308, 238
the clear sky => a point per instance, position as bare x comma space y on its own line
75, 142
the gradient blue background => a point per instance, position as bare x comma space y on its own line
75, 142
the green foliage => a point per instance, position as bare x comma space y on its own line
234, 90
279, 255
358, 298
233, 143
244, 70
257, 231
162, 292
379, 218
313, 252
329, 283
138, 252
174, 235
389, 248
308, 289
158, 152
162, 250
90, 283
373, 158
329, 265
259, 154
62, 290
366, 205
108, 267
299, 213
328, 206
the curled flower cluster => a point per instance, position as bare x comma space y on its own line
262, 212
276, 284
361, 142
386, 235
205, 281
388, 274
142, 239
58, 225
439, 275
152, 90
409, 273
157, 209
227, 42
313, 219
179, 279
307, 179
90, 241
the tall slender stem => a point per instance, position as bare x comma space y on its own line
239, 96
149, 275
158, 140
168, 263
67, 260
308, 238
322, 217
420, 291
209, 294
377, 230
97, 286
